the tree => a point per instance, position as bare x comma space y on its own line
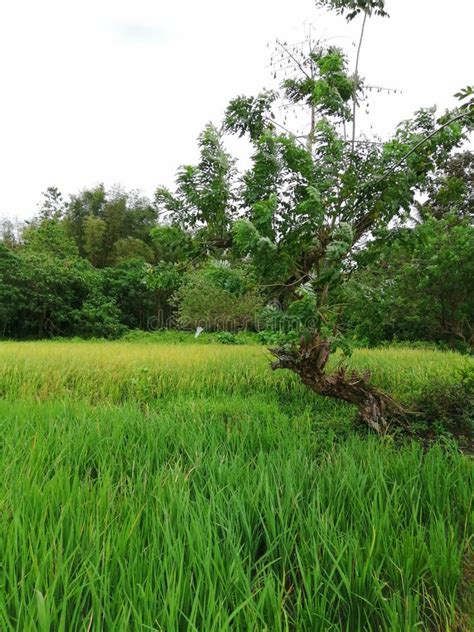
172, 244
94, 230
132, 248
114, 214
203, 200
49, 236
312, 198
415, 284
87, 203
54, 296
127, 285
52, 205
9, 233
97, 219
12, 294
352, 8
451, 189
140, 217
42, 296
175, 252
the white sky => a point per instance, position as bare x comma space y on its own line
116, 91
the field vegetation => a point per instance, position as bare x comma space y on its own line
187, 487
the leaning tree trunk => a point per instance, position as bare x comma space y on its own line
375, 408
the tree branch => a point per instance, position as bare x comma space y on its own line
295, 59
365, 222
356, 81
286, 130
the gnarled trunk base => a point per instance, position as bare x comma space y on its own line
375, 408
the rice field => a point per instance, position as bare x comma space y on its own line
117, 372
175, 487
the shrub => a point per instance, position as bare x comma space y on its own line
227, 338
218, 298
100, 318
449, 406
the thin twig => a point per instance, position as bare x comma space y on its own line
356, 82
306, 275
295, 59
285, 129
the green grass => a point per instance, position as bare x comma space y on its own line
123, 371
167, 487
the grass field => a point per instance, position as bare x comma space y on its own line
186, 487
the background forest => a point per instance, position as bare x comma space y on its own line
99, 263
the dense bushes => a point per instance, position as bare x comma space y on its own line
42, 295
415, 284
218, 298
127, 285
448, 406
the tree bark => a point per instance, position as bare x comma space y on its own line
375, 408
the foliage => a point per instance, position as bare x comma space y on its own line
307, 206
451, 189
449, 406
94, 231
352, 8
49, 236
333, 88
98, 219
9, 233
171, 244
204, 195
227, 338
11, 291
414, 284
126, 284
52, 206
52, 296
88, 203
218, 297
132, 248
99, 318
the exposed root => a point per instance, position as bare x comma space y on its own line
375, 408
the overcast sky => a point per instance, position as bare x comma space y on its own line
116, 91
